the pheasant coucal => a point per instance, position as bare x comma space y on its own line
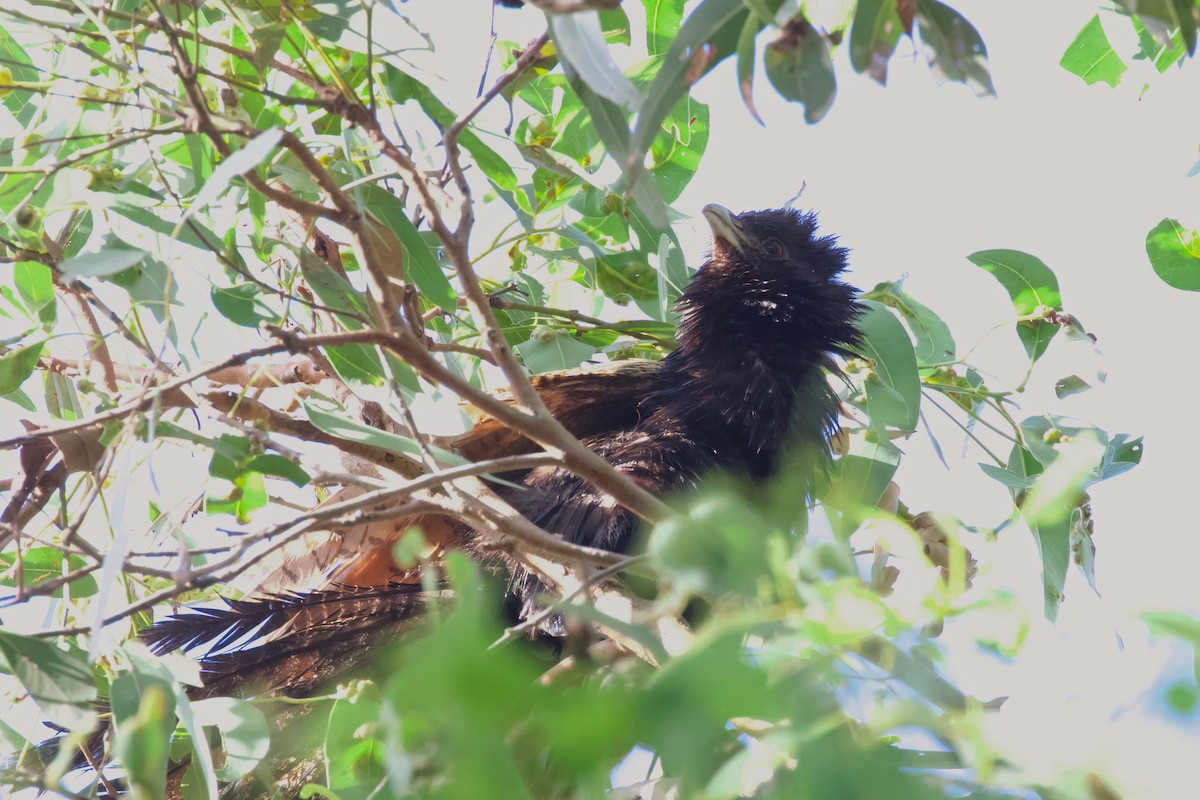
758, 326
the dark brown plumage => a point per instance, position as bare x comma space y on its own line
758, 325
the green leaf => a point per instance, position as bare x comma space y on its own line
1174, 252
669, 85
18, 364
420, 265
1092, 57
358, 363
1007, 477
800, 68
332, 418
1030, 284
894, 394
1061, 486
280, 467
663, 20
873, 36
236, 164
59, 682
111, 258
1044, 435
248, 495
143, 708
859, 478
934, 342
745, 62
43, 564
953, 47
245, 737
22, 105
151, 286
1166, 19
1177, 624
549, 350
1052, 537
1123, 454
402, 87
580, 42
243, 305
1163, 55
35, 285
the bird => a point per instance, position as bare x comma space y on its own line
761, 327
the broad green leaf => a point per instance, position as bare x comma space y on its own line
1092, 57
334, 290
1174, 252
663, 20
18, 364
873, 36
20, 398
280, 467
626, 276
245, 737
894, 394
859, 478
59, 682
142, 212
35, 285
934, 342
143, 708
151, 286
1007, 477
1045, 435
549, 350
745, 62
1071, 384
1166, 19
1062, 484
420, 265
688, 129
953, 47
1163, 55
701, 26
403, 87
1053, 538
1031, 285
20, 68
249, 494
243, 304
800, 68
111, 258
1123, 454
1184, 627
335, 420
353, 362
41, 565
236, 164
580, 41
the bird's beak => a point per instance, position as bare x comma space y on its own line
725, 227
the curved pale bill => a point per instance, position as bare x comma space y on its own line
725, 226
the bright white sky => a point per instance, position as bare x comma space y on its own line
913, 178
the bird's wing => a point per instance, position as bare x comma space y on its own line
591, 401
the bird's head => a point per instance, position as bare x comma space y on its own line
771, 242
770, 278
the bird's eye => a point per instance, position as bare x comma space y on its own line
774, 248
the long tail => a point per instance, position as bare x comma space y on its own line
289, 643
